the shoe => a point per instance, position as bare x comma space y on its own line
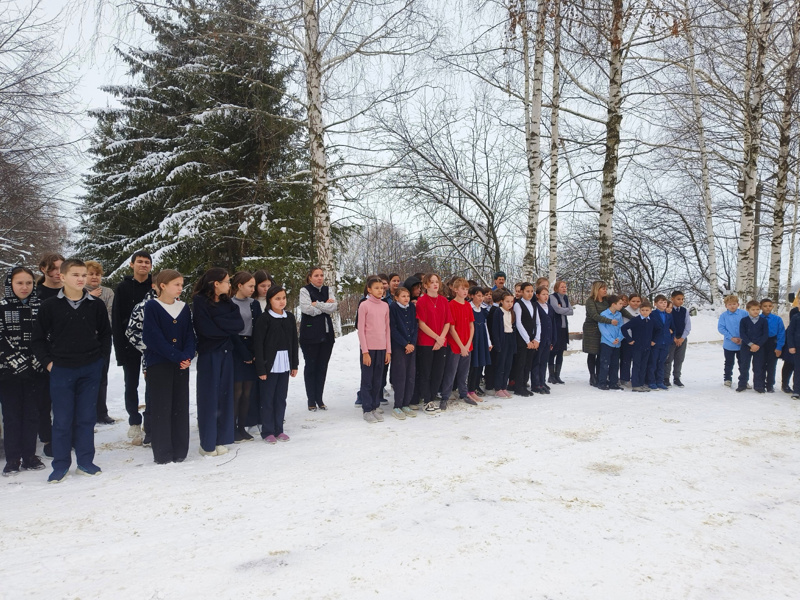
550, 379
34, 463
741, 388
106, 420
616, 388
547, 387
90, 470
414, 406
795, 396
442, 405
137, 441
314, 408
506, 394
473, 397
558, 380
667, 383
727, 383
480, 392
271, 439
770, 389
221, 450
523, 393
653, 386
432, 408
409, 412
147, 441
246, 437
467, 400
282, 437
369, 417
661, 386
322, 407
786, 389
593, 380
358, 402
759, 391
47, 450
134, 431
641, 388
677, 382
603, 387
378, 415
623, 383
206, 453
58, 476
237, 436
398, 414
11, 468
379, 410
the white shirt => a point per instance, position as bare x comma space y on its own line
518, 312
281, 364
174, 309
546, 309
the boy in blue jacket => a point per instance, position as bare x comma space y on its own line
754, 332
404, 327
660, 350
610, 338
728, 326
793, 347
774, 346
640, 334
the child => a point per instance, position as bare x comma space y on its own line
793, 348
543, 340
728, 326
72, 338
317, 307
559, 302
460, 339
414, 286
263, 282
788, 360
630, 311
375, 338
215, 319
276, 358
525, 321
504, 342
640, 334
50, 282
403, 323
169, 350
435, 319
517, 291
394, 283
610, 342
495, 296
481, 345
658, 354
106, 295
682, 324
22, 378
244, 374
774, 345
754, 333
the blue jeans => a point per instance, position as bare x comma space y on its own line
640, 360
74, 393
609, 365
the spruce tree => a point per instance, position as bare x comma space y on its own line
196, 166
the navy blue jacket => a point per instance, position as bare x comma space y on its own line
496, 328
167, 339
403, 324
641, 332
793, 333
753, 333
215, 323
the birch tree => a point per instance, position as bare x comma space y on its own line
555, 141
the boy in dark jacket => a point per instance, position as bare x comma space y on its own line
72, 339
640, 334
404, 328
793, 348
754, 331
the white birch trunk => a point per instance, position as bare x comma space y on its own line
554, 143
793, 240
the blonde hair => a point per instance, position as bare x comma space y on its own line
93, 265
459, 282
596, 286
731, 298
796, 297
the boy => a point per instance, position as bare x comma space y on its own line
682, 326
640, 334
774, 346
460, 339
72, 338
793, 347
728, 326
660, 350
130, 291
106, 295
754, 333
610, 338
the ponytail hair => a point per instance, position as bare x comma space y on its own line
164, 277
205, 285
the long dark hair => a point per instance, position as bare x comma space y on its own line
205, 285
48, 263
273, 291
262, 276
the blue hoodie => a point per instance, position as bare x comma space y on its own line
728, 326
609, 332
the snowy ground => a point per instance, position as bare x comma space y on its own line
689, 493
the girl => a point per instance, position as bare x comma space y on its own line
481, 345
435, 319
106, 295
374, 337
403, 323
525, 321
788, 360
263, 282
216, 319
631, 311
504, 342
244, 374
49, 283
169, 350
317, 305
276, 358
559, 302
595, 304
545, 339
22, 379
394, 283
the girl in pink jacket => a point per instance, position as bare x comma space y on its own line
374, 337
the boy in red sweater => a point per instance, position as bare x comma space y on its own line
460, 340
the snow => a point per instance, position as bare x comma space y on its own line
580, 494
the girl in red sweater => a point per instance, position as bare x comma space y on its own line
435, 320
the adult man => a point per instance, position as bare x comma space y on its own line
499, 281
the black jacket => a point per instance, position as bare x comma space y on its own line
271, 335
128, 294
215, 323
17, 319
71, 337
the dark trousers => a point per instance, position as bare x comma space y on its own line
625, 360
746, 357
102, 393
541, 356
609, 365
131, 367
273, 391
640, 360
215, 399
316, 357
371, 390
430, 370
404, 372
674, 362
474, 379
770, 362
74, 394
488, 374
45, 413
504, 360
655, 370
730, 357
20, 398
795, 362
456, 371
555, 362
521, 368
168, 404
787, 369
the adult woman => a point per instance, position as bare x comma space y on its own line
559, 302
317, 304
595, 304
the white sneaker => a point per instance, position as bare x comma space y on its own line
432, 408
221, 450
378, 410
204, 453
134, 431
369, 417
378, 415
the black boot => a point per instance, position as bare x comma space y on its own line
593, 380
557, 375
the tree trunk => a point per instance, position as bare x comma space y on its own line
793, 241
613, 126
533, 126
554, 143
